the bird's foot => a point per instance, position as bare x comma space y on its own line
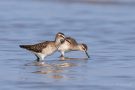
40, 63
64, 58
61, 56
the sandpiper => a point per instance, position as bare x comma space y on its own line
44, 49
70, 44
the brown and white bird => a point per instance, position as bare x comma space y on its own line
44, 49
70, 44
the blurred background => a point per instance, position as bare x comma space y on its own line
106, 26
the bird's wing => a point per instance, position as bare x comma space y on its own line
72, 40
36, 47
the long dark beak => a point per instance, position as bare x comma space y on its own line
87, 54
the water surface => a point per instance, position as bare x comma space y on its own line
108, 30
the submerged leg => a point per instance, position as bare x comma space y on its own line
62, 54
38, 59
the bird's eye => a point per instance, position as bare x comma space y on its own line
62, 41
83, 48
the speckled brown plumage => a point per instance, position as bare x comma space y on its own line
47, 48
71, 40
36, 47
70, 44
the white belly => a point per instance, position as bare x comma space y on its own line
64, 47
49, 50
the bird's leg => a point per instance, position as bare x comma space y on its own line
62, 54
38, 59
62, 57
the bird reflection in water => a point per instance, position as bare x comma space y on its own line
66, 58
53, 70
56, 69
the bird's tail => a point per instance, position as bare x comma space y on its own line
25, 46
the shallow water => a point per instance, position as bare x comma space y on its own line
108, 30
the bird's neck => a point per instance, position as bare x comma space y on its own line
57, 42
77, 48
